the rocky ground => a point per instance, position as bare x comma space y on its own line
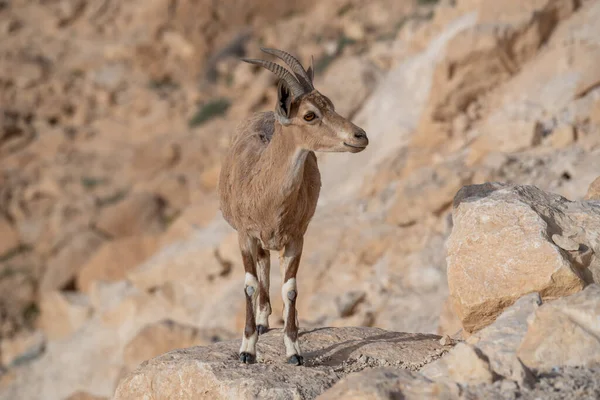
114, 116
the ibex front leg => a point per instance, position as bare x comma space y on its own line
263, 309
248, 247
290, 260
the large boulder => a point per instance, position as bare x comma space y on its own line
565, 332
214, 372
510, 240
490, 354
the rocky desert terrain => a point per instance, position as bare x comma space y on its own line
455, 258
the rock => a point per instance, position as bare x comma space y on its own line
427, 191
508, 136
517, 222
447, 341
564, 332
9, 237
500, 340
391, 114
79, 395
137, 214
593, 192
114, 259
62, 268
544, 90
330, 353
24, 347
562, 137
193, 218
476, 59
464, 364
389, 383
449, 323
493, 348
163, 336
348, 82
348, 302
63, 313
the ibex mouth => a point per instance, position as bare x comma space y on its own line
355, 147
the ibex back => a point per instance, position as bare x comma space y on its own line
269, 187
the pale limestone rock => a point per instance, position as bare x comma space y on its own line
500, 340
63, 313
495, 346
464, 364
9, 238
214, 372
79, 395
562, 137
163, 336
24, 346
476, 60
546, 88
449, 323
137, 214
63, 267
115, 258
500, 248
389, 383
347, 82
564, 332
593, 192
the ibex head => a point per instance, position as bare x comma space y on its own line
307, 114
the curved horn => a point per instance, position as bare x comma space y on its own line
294, 64
288, 78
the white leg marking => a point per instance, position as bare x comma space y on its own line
291, 347
285, 288
289, 290
251, 282
249, 344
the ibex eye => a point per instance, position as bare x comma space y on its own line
309, 116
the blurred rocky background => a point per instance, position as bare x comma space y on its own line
114, 116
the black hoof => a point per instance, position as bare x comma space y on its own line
262, 329
296, 360
247, 358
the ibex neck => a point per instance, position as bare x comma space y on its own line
289, 158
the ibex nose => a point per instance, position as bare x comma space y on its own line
360, 134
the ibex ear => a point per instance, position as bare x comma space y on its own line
284, 104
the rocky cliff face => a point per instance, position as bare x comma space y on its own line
474, 213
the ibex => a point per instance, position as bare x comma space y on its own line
269, 186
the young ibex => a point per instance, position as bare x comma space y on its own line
269, 187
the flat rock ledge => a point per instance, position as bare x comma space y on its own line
214, 372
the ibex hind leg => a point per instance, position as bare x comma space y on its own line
248, 248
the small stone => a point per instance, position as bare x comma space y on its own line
565, 243
446, 341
